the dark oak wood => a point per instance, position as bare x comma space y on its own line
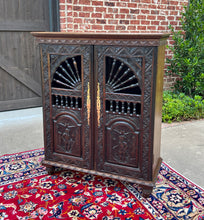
20, 84
102, 100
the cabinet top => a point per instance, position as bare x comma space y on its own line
137, 39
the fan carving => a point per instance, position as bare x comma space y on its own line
68, 74
120, 78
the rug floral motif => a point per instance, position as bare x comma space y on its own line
28, 192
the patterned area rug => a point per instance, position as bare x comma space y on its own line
28, 192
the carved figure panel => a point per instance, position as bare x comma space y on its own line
122, 144
67, 136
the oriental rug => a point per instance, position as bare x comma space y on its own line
28, 192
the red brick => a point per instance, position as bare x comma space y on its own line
78, 20
77, 8
141, 17
170, 18
131, 17
143, 22
155, 22
86, 8
152, 6
124, 10
151, 17
173, 3
142, 28
120, 27
178, 18
130, 28
110, 4
153, 28
135, 22
70, 26
171, 7
70, 14
96, 15
97, 27
84, 2
174, 23
113, 21
124, 22
97, 3
101, 21
161, 17
63, 26
76, 26
132, 5
120, 16
112, 10
69, 7
154, 12
134, 11
89, 21
147, 1
164, 2
63, 20
109, 27
100, 9
84, 14
108, 16
121, 5
165, 23
62, 14
173, 12
145, 11
62, 7
161, 28
85, 26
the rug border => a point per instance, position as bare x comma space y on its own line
14, 154
188, 180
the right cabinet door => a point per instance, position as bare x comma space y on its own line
123, 109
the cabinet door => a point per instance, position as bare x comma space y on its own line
67, 104
123, 99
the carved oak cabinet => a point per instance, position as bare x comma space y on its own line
102, 100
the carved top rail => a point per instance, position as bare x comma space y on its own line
139, 39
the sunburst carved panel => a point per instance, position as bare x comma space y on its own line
120, 78
68, 74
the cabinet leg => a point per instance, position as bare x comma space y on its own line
147, 190
50, 169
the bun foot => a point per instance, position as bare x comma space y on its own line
50, 169
147, 190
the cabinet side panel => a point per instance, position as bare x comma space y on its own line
158, 106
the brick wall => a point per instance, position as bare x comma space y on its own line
124, 16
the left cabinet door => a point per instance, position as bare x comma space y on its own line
67, 93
